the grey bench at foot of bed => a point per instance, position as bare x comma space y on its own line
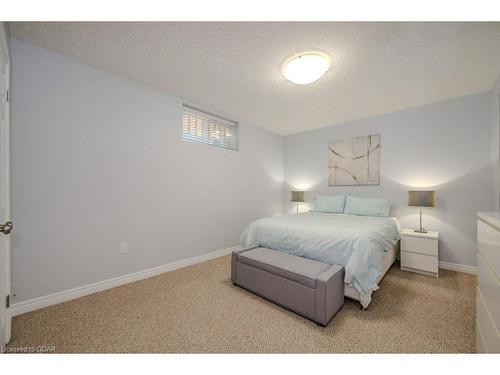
307, 287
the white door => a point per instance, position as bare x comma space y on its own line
5, 225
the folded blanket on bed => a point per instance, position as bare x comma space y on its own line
356, 242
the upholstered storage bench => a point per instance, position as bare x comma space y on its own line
312, 289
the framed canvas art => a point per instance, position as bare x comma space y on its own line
354, 161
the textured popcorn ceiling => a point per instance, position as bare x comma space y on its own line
235, 68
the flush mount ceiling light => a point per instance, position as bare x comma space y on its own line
306, 67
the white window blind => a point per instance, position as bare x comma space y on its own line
204, 127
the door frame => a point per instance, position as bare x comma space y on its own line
4, 45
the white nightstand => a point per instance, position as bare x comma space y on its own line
419, 252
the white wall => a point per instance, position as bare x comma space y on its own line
98, 160
495, 142
445, 147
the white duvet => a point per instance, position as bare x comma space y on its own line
356, 242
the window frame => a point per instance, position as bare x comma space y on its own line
207, 115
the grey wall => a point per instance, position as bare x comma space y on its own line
445, 147
98, 160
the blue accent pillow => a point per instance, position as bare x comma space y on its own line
366, 206
329, 204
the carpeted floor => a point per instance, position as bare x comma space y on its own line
198, 310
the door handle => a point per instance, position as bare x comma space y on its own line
6, 228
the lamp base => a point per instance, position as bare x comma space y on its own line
422, 230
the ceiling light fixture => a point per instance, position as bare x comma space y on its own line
306, 67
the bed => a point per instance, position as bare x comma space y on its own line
366, 246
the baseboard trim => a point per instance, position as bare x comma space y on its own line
66, 295
458, 267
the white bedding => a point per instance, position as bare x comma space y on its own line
359, 243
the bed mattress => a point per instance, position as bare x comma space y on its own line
359, 243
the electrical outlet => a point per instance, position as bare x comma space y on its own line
123, 248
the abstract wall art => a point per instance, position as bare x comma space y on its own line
354, 161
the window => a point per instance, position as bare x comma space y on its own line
204, 127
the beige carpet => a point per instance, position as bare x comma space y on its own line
197, 309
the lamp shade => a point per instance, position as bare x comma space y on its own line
421, 198
297, 196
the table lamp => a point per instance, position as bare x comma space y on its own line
421, 198
298, 197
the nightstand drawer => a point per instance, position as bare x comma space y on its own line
425, 246
419, 262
